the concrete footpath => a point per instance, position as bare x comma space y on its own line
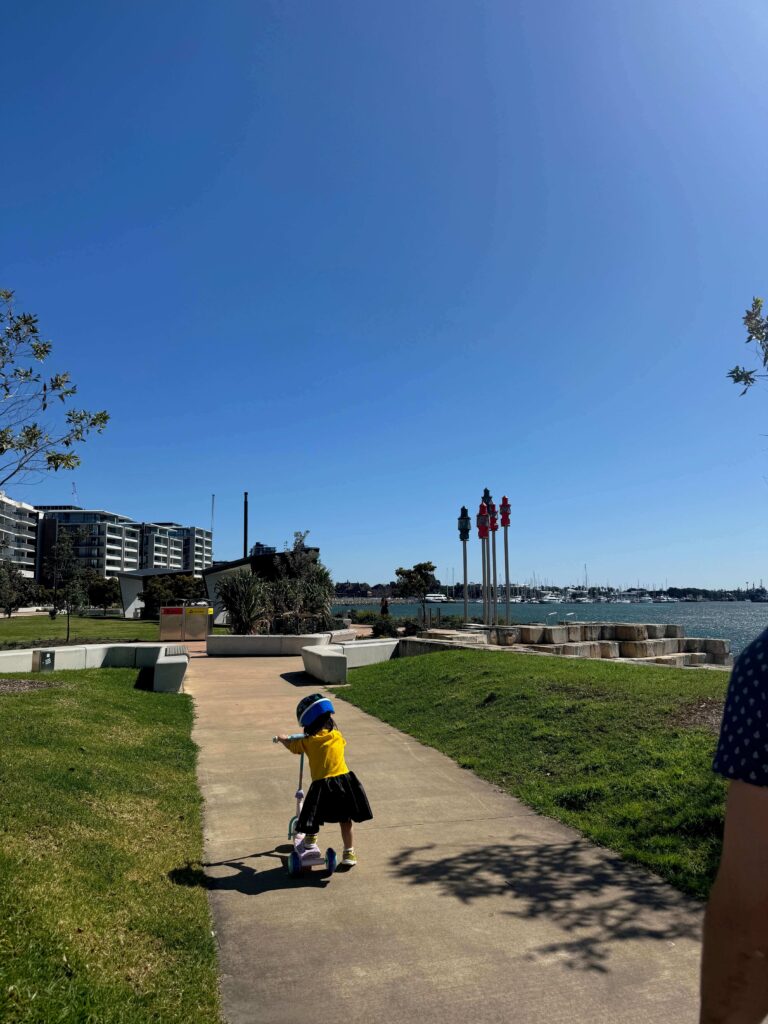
465, 907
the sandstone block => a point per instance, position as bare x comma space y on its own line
591, 631
609, 649
531, 634
697, 658
675, 631
555, 635
509, 635
656, 631
574, 632
642, 648
719, 648
631, 631
607, 631
695, 644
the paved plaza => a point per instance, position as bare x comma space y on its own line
466, 906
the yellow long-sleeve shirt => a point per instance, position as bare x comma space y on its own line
325, 753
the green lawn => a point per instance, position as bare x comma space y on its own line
100, 812
42, 630
612, 749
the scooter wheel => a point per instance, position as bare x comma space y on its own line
292, 826
294, 863
330, 860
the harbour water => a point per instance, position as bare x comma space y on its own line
737, 621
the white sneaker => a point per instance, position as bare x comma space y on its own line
349, 859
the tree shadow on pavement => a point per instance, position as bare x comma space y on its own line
244, 877
595, 898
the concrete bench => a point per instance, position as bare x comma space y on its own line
265, 646
168, 661
331, 662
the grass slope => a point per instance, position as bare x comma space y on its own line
593, 744
100, 807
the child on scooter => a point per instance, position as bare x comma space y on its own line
336, 794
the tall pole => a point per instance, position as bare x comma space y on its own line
505, 509
482, 532
245, 524
494, 525
466, 600
465, 525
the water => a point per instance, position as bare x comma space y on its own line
737, 621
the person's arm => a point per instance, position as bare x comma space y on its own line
293, 743
734, 966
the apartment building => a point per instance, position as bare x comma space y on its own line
111, 543
161, 547
103, 540
197, 547
18, 534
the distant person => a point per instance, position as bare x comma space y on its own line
336, 793
734, 969
384, 607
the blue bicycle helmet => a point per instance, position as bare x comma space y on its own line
310, 708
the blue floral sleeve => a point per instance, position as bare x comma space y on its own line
742, 751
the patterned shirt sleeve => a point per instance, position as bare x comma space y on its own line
742, 752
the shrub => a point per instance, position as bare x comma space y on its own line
245, 599
384, 627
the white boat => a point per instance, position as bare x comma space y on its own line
645, 599
435, 598
550, 598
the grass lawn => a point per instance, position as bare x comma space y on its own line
622, 753
37, 630
100, 810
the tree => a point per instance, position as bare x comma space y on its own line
104, 593
15, 589
167, 589
246, 599
68, 575
757, 331
31, 439
302, 590
417, 582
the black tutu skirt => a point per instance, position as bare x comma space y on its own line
340, 798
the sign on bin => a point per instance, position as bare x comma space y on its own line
43, 661
179, 623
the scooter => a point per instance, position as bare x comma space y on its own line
296, 863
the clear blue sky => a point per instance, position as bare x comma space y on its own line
366, 259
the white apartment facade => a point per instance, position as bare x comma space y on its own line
18, 534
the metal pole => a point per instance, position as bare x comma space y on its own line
506, 565
494, 591
466, 611
483, 542
245, 524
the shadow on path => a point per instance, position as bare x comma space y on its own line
244, 877
299, 679
595, 898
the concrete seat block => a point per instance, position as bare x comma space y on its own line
656, 631
326, 663
675, 631
694, 643
631, 631
607, 631
368, 652
509, 635
575, 634
717, 647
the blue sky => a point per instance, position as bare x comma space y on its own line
364, 260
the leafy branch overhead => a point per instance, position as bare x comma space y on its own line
757, 331
32, 437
